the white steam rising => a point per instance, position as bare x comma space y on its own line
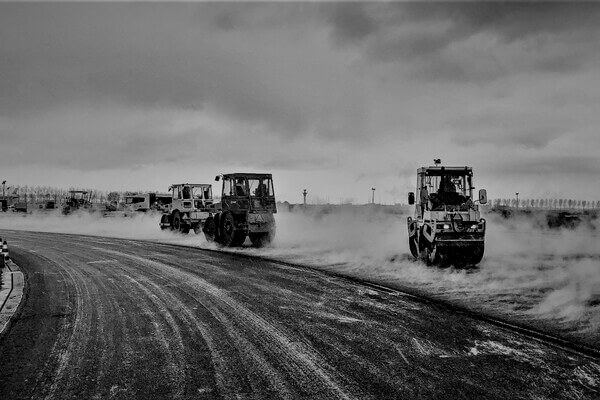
527, 274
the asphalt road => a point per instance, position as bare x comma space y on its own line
113, 318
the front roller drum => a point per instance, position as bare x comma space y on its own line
228, 234
460, 255
473, 255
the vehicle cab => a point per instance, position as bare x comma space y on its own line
188, 197
248, 192
447, 222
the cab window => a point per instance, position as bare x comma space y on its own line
269, 187
227, 187
261, 187
255, 187
240, 187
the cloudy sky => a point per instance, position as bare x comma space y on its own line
336, 97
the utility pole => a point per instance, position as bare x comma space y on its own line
517, 199
373, 198
304, 193
3, 194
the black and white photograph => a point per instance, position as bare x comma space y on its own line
300, 199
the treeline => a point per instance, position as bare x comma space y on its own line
37, 194
548, 204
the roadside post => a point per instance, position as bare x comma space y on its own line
4, 252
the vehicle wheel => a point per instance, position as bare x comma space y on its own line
197, 229
209, 229
422, 245
176, 222
227, 229
413, 243
432, 256
414, 246
164, 220
476, 255
185, 229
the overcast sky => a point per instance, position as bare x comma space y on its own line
336, 98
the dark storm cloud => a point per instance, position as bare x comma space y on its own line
411, 31
168, 55
351, 22
510, 20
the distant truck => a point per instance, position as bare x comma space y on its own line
246, 210
137, 201
447, 227
188, 208
147, 201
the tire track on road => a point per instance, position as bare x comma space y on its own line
172, 346
93, 287
302, 363
81, 333
229, 380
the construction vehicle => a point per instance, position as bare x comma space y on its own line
447, 228
188, 208
136, 201
76, 200
144, 202
246, 210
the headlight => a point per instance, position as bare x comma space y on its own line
474, 226
446, 226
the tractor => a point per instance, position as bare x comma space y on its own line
246, 210
188, 208
447, 228
76, 200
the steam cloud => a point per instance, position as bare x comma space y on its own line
537, 276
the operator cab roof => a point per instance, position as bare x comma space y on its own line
249, 174
440, 170
191, 184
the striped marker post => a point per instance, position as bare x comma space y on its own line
4, 250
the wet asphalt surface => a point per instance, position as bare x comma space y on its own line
114, 318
